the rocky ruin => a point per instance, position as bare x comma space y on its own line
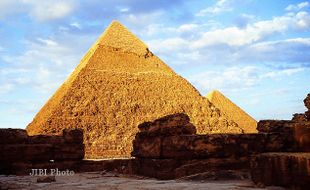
119, 84
292, 169
20, 152
170, 148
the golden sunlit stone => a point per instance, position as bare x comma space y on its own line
232, 111
119, 84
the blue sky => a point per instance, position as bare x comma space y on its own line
257, 52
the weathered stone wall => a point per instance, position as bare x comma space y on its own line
20, 152
297, 133
290, 170
297, 129
206, 146
169, 148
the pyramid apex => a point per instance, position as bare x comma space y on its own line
212, 93
115, 23
119, 37
216, 91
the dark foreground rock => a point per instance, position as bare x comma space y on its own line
295, 133
291, 170
307, 101
46, 179
175, 124
20, 153
169, 148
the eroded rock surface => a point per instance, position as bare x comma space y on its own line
307, 101
169, 148
291, 170
20, 153
169, 125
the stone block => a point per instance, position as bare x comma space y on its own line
147, 146
13, 136
307, 101
73, 136
291, 170
174, 124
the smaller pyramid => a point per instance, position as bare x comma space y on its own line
232, 111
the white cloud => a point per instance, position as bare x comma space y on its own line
50, 9
142, 19
296, 7
243, 20
45, 63
76, 25
234, 36
192, 37
233, 45
268, 45
230, 78
47, 42
157, 29
302, 20
8, 7
218, 7
296, 50
168, 45
187, 27
39, 10
238, 78
281, 73
124, 10
5, 88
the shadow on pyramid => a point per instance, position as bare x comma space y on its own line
119, 84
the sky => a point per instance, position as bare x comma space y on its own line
256, 52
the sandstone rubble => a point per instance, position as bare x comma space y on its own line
291, 170
20, 152
169, 148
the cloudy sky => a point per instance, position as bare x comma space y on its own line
257, 52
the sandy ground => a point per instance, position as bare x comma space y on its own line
98, 180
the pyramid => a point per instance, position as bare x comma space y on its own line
119, 84
232, 111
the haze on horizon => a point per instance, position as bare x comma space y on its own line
256, 52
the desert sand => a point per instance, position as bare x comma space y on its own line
99, 180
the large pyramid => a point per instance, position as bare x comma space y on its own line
232, 111
118, 84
